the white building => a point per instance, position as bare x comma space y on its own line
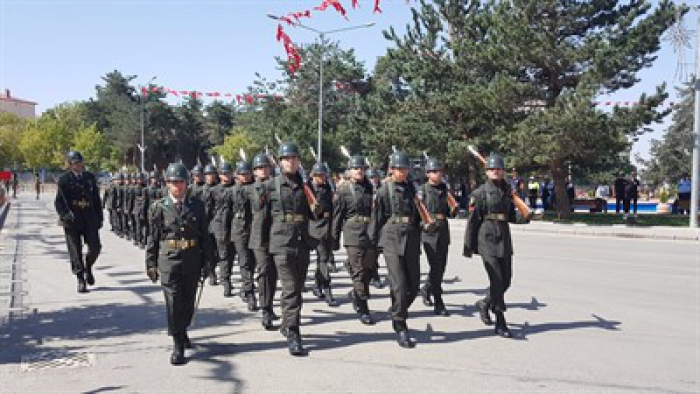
19, 107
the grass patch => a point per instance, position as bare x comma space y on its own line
610, 219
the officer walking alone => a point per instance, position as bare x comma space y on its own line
488, 234
80, 212
179, 253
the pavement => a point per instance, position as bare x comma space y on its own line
590, 313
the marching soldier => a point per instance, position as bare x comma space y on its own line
352, 215
108, 202
436, 242
241, 218
154, 192
139, 210
256, 197
488, 234
218, 227
116, 203
197, 186
80, 212
321, 229
129, 200
290, 241
179, 253
396, 222
208, 195
375, 178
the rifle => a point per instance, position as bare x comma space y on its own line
425, 217
519, 203
310, 196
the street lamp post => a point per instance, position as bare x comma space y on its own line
142, 146
321, 35
695, 182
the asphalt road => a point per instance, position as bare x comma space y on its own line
590, 314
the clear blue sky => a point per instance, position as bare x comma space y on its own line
53, 51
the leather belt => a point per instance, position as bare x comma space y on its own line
181, 243
498, 217
239, 216
362, 219
82, 204
293, 217
401, 219
440, 216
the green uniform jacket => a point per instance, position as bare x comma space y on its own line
166, 223
256, 197
353, 203
395, 219
81, 197
485, 236
286, 197
321, 228
435, 200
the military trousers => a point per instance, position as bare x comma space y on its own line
363, 264
266, 278
74, 240
404, 282
500, 272
246, 262
292, 268
324, 257
112, 220
227, 254
437, 260
180, 293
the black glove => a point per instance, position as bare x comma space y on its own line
152, 273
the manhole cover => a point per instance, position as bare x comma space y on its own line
56, 359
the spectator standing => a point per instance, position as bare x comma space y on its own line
602, 193
684, 191
37, 184
570, 191
533, 192
15, 183
632, 192
619, 191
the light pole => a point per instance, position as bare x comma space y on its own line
695, 182
142, 146
321, 35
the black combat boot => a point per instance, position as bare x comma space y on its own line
426, 296
252, 302
82, 286
440, 309
483, 309
329, 296
501, 326
267, 317
353, 298
178, 355
294, 342
89, 277
318, 292
228, 288
363, 310
403, 338
212, 279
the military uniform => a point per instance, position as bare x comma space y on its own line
436, 240
488, 234
396, 222
290, 244
352, 214
255, 204
79, 209
129, 200
196, 187
208, 195
139, 211
179, 251
320, 229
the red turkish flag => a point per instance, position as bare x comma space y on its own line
376, 7
144, 91
249, 99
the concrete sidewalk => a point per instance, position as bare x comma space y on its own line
609, 315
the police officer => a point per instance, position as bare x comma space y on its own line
140, 210
352, 214
396, 223
208, 194
375, 178
256, 201
321, 229
290, 241
488, 234
219, 226
197, 185
80, 212
436, 239
179, 252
